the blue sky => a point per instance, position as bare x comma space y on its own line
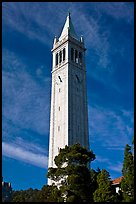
28, 30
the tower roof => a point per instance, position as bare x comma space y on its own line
68, 28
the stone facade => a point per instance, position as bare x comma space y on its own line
69, 113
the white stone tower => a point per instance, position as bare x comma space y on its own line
69, 112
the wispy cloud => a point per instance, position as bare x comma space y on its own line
101, 159
33, 20
30, 146
117, 10
112, 166
101, 40
28, 19
30, 153
94, 36
24, 18
116, 148
117, 167
106, 126
24, 100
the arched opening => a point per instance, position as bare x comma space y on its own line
72, 54
64, 53
57, 59
76, 56
80, 57
60, 56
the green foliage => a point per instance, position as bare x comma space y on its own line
46, 194
49, 194
105, 191
28, 195
94, 184
127, 183
74, 154
72, 173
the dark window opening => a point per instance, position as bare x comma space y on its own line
76, 56
59, 89
72, 54
57, 59
60, 56
59, 108
58, 128
80, 57
63, 54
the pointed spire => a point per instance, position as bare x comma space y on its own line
68, 28
68, 14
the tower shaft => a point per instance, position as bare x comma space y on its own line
69, 112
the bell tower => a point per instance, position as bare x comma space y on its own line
69, 111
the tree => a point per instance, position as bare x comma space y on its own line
94, 184
105, 191
72, 174
29, 195
127, 183
18, 196
49, 194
